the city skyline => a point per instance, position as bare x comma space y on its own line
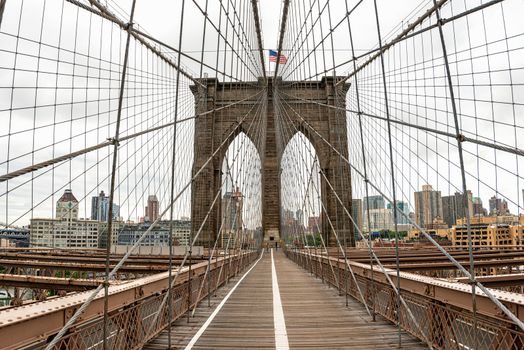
375, 199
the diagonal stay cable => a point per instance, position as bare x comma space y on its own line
110, 142
463, 138
104, 12
486, 291
281, 35
194, 240
381, 266
117, 267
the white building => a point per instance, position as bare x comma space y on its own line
61, 233
66, 230
67, 206
379, 219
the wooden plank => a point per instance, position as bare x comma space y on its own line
316, 317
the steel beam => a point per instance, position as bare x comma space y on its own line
495, 281
56, 283
448, 265
75, 266
35, 323
454, 294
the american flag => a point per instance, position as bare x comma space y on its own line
273, 57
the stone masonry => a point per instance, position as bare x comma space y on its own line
212, 130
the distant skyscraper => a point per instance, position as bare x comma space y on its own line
453, 208
498, 206
380, 219
100, 208
375, 202
403, 207
493, 201
478, 208
300, 217
67, 206
288, 217
459, 202
232, 211
356, 209
449, 210
428, 205
152, 209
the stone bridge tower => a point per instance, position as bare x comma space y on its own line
304, 104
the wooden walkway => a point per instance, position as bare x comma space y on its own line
315, 316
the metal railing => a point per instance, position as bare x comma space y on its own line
133, 319
440, 310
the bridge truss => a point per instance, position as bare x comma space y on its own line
91, 101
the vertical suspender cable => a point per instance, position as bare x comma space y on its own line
173, 165
460, 139
392, 169
113, 178
364, 165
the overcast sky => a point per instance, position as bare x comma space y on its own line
487, 63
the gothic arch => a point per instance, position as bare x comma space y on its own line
211, 129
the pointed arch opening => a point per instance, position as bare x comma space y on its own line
300, 194
240, 213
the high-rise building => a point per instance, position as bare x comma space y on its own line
100, 208
356, 213
453, 207
460, 207
380, 219
428, 206
493, 205
449, 210
67, 206
403, 208
498, 206
152, 209
375, 202
300, 217
478, 208
232, 211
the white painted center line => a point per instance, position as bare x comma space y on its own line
281, 342
218, 308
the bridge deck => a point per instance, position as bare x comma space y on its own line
315, 316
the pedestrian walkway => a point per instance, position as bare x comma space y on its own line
281, 308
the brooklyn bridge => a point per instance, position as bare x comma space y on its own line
219, 174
